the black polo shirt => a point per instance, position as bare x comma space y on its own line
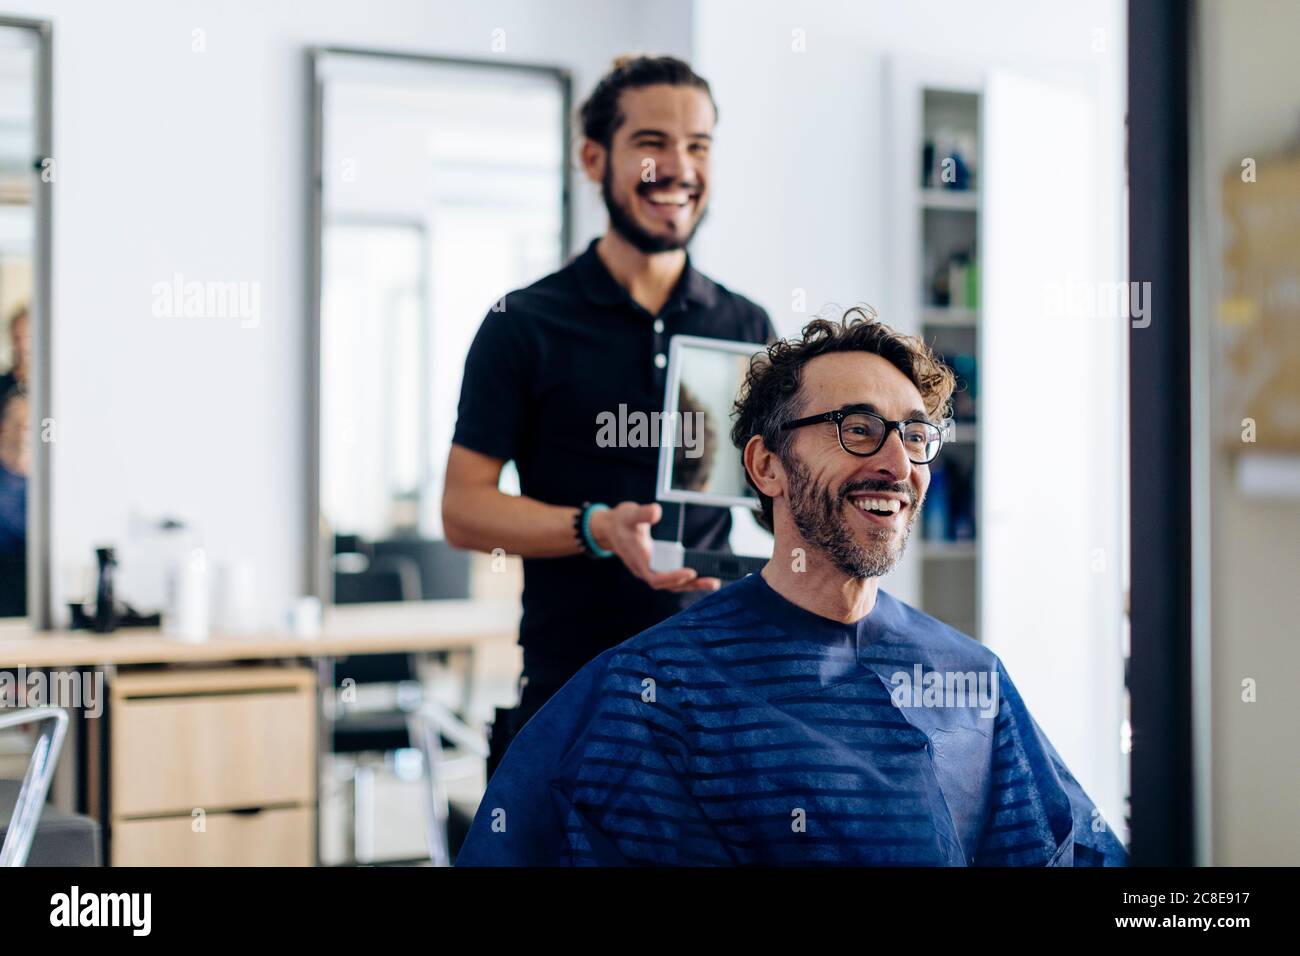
539, 372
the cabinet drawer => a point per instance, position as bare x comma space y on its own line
280, 837
187, 744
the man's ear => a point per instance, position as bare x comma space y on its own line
764, 467
593, 157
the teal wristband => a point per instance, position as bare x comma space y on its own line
595, 550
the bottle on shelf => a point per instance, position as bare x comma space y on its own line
934, 517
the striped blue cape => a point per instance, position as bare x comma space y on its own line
749, 731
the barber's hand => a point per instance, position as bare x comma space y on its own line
625, 530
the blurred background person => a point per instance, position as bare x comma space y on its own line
15, 462
20, 343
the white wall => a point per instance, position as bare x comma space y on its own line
172, 161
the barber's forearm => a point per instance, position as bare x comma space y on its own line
484, 519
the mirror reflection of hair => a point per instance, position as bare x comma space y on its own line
697, 450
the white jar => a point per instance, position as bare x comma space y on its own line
186, 617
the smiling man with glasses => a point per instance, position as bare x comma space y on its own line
802, 715
863, 433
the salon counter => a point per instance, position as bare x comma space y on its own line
235, 725
417, 627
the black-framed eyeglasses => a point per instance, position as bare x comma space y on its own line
864, 433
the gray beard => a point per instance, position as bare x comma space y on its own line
818, 517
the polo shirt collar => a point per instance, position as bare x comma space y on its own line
601, 288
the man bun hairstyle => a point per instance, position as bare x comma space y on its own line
769, 396
600, 116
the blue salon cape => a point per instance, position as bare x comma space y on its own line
748, 731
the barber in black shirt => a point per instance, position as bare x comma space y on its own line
585, 341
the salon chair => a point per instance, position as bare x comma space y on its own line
362, 578
365, 739
398, 569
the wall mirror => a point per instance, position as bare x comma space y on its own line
27, 175
437, 184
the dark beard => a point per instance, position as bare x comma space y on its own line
622, 221
818, 516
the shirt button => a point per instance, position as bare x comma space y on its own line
659, 326
661, 360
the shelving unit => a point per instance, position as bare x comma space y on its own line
949, 209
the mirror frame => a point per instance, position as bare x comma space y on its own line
316, 572
664, 490
1169, 815
39, 616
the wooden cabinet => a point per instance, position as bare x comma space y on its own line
284, 837
213, 767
